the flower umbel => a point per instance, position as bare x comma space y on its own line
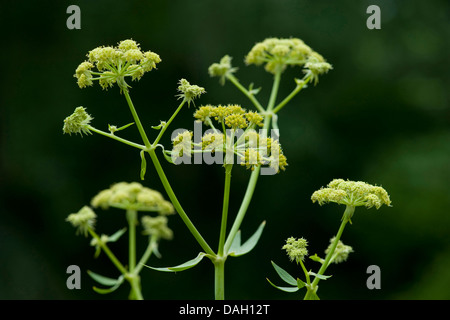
77, 122
156, 226
83, 220
277, 54
132, 196
352, 193
296, 249
114, 64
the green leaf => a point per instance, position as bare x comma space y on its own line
116, 235
236, 244
143, 165
300, 283
316, 258
249, 244
187, 265
285, 289
102, 279
284, 275
320, 276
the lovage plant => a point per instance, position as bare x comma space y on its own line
236, 135
352, 194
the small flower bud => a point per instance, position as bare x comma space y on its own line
221, 69
340, 253
189, 92
296, 249
77, 122
83, 220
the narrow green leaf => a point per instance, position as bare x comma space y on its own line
300, 283
116, 235
316, 258
320, 276
284, 275
143, 165
285, 289
104, 280
250, 243
236, 244
184, 266
109, 290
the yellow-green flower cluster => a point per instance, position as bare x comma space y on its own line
240, 138
113, 64
132, 196
188, 91
77, 122
232, 115
221, 69
296, 249
83, 220
276, 54
156, 227
352, 193
340, 253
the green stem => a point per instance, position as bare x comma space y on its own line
219, 278
349, 210
132, 221
291, 95
249, 95
109, 253
136, 118
110, 135
226, 198
148, 252
274, 93
243, 208
177, 204
255, 173
167, 124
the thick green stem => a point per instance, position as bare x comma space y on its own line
243, 208
349, 210
226, 198
136, 119
132, 221
177, 204
219, 278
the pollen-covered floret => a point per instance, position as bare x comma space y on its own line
77, 122
132, 196
352, 193
182, 144
83, 220
114, 64
278, 53
296, 249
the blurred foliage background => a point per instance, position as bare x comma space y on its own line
382, 116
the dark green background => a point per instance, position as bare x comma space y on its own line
382, 116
